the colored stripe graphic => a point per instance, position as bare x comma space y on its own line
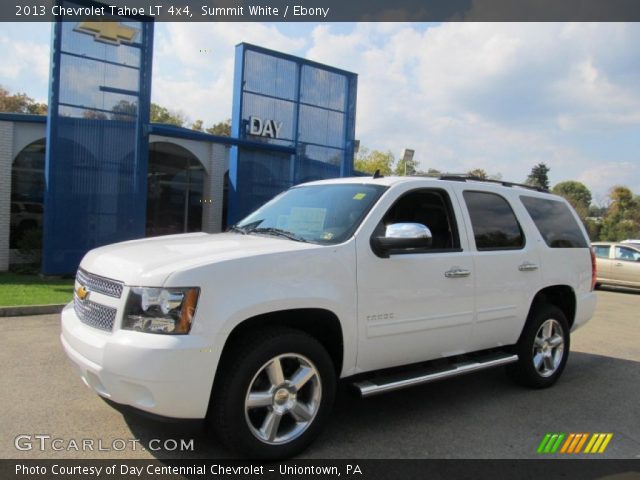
572, 443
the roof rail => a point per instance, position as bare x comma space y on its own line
463, 177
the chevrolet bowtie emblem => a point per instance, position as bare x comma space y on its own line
82, 293
112, 33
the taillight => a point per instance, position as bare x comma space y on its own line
593, 269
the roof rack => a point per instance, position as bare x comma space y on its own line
463, 177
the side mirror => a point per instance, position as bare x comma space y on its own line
402, 238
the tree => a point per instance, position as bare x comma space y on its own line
20, 103
124, 110
161, 114
622, 219
539, 176
94, 115
479, 173
577, 194
222, 129
197, 125
369, 161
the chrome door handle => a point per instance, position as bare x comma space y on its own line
527, 267
457, 273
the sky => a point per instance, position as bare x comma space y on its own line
501, 97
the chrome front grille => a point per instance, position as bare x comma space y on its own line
94, 314
96, 283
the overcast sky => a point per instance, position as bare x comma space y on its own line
501, 97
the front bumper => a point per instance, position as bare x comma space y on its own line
165, 375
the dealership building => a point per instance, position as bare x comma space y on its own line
96, 171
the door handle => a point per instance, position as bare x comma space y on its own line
456, 272
527, 267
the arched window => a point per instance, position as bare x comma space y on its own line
27, 196
174, 190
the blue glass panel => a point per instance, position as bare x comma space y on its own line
320, 126
77, 39
267, 108
323, 88
270, 75
96, 157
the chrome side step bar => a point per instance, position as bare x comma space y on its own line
375, 386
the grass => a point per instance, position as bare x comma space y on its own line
19, 289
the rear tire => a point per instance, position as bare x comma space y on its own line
274, 394
543, 348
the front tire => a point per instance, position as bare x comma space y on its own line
543, 348
274, 394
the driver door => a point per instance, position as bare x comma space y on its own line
415, 305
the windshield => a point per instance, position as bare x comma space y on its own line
327, 214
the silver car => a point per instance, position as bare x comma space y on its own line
617, 264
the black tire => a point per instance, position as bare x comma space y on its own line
528, 370
248, 365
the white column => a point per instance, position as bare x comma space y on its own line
6, 161
214, 189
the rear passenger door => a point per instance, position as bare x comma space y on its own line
506, 266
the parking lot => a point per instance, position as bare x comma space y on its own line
476, 416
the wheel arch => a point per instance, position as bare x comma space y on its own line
320, 323
561, 296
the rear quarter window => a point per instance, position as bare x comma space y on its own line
555, 222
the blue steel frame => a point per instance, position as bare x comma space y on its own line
346, 166
49, 267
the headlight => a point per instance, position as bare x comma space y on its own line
160, 310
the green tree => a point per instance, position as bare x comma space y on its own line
20, 103
161, 114
124, 110
622, 219
222, 129
369, 161
539, 176
479, 173
577, 194
197, 125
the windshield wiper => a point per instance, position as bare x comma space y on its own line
278, 232
234, 228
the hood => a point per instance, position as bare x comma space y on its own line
150, 261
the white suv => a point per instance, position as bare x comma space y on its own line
369, 279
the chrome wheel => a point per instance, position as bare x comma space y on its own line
283, 398
548, 348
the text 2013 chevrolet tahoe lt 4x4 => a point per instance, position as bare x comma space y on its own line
352, 277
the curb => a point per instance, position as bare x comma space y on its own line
24, 310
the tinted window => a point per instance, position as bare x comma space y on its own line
624, 253
555, 223
602, 251
495, 226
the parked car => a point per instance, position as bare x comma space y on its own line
618, 264
634, 242
364, 279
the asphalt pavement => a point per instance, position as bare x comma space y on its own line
481, 415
